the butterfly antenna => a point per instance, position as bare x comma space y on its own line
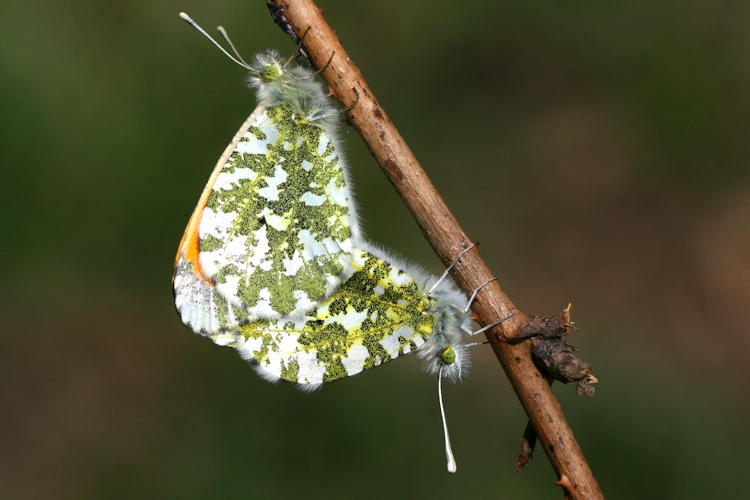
495, 323
195, 25
225, 35
448, 451
445, 274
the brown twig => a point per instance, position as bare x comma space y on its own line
447, 239
528, 442
554, 358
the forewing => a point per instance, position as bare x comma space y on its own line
200, 307
378, 314
274, 233
270, 234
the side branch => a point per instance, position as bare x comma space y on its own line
446, 237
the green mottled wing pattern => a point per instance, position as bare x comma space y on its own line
274, 235
376, 315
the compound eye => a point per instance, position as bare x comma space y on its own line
269, 73
448, 355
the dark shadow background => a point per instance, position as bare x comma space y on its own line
599, 151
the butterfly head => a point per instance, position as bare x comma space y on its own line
269, 67
454, 360
270, 73
280, 81
448, 355
445, 348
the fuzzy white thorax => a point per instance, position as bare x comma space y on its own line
277, 82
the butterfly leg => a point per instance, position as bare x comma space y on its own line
445, 273
314, 117
476, 290
356, 100
312, 75
495, 323
474, 344
299, 47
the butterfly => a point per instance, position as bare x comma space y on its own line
272, 262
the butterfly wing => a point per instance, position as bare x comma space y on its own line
378, 314
270, 236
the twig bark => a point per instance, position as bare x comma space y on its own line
447, 239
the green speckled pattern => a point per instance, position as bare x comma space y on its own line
376, 315
275, 236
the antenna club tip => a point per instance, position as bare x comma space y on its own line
185, 17
452, 468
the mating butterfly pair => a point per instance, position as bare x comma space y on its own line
272, 262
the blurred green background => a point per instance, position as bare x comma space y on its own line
599, 151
